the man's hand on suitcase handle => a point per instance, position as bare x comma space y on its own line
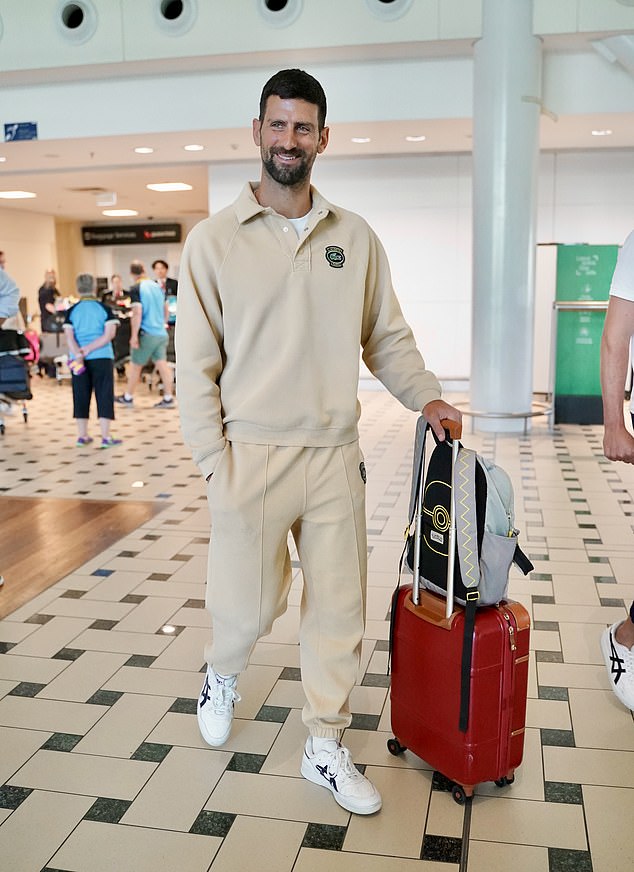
441, 416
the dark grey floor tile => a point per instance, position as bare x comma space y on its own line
291, 673
364, 722
543, 600
382, 645
26, 688
442, 849
159, 576
39, 619
72, 594
61, 742
562, 860
12, 797
140, 660
558, 693
102, 624
325, 837
107, 811
212, 823
549, 657
133, 598
546, 625
241, 762
541, 576
184, 706
275, 714
151, 752
194, 604
6, 646
559, 791
105, 697
68, 654
612, 602
559, 738
373, 679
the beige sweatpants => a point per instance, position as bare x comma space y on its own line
256, 495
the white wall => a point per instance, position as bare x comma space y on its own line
29, 242
421, 209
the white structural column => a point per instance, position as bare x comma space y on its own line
507, 92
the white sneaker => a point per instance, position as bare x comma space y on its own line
333, 768
619, 662
215, 707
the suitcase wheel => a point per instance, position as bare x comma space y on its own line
395, 747
458, 793
505, 780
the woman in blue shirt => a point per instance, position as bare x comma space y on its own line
90, 328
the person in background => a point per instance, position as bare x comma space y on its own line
169, 285
47, 295
278, 293
617, 641
116, 295
9, 293
148, 336
90, 328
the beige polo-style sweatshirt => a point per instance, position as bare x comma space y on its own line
269, 328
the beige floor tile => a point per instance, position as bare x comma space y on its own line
124, 726
255, 686
545, 640
125, 643
311, 860
370, 747
186, 651
609, 815
84, 774
573, 675
580, 643
248, 737
17, 747
156, 682
285, 755
11, 631
622, 569
496, 857
93, 609
192, 617
38, 827
533, 690
368, 700
526, 822
50, 715
278, 843
268, 654
274, 796
149, 616
286, 693
185, 589
33, 607
6, 686
58, 633
394, 831
34, 669
107, 847
548, 714
377, 630
83, 677
444, 817
589, 766
600, 721
575, 591
602, 615
178, 789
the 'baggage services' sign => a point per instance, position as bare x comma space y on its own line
131, 234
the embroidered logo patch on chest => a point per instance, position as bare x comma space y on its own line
335, 256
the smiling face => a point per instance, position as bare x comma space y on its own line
289, 140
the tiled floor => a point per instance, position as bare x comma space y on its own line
101, 763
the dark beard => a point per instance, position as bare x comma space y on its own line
288, 176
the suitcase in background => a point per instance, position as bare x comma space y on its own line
427, 639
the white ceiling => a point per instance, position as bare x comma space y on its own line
65, 173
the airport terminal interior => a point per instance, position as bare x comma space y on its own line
103, 553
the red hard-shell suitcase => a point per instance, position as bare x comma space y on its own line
426, 656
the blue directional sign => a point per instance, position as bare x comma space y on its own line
20, 130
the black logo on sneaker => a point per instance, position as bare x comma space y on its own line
364, 477
323, 770
205, 693
617, 667
335, 256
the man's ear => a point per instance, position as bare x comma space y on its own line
324, 136
256, 126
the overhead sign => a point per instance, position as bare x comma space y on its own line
20, 130
131, 234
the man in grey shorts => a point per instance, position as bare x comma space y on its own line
148, 336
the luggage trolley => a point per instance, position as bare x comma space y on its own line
14, 373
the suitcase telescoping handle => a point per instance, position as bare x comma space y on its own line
453, 429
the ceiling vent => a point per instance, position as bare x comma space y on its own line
388, 10
77, 20
176, 17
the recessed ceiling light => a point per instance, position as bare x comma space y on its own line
144, 149
194, 147
2, 159
119, 213
16, 195
360, 139
138, 484
169, 186
602, 133
415, 138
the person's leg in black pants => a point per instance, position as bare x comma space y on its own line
103, 382
82, 392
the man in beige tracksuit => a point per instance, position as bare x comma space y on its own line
277, 294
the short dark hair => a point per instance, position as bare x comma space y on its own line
295, 85
160, 260
137, 268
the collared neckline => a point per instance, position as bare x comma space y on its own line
247, 206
